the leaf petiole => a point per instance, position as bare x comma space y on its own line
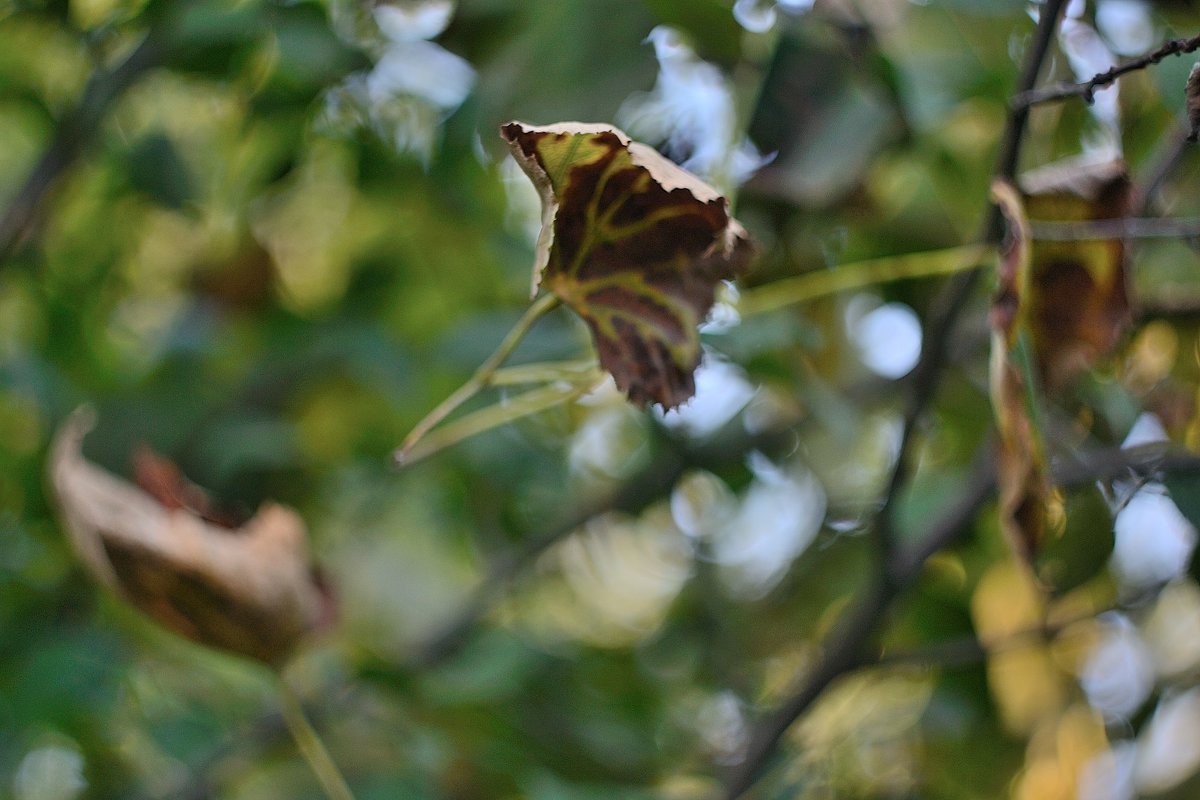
494, 416
481, 378
860, 274
310, 745
575, 371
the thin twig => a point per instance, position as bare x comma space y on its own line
968, 650
497, 415
640, 490
72, 136
847, 647
480, 379
859, 274
1087, 89
1130, 228
311, 746
894, 570
1166, 161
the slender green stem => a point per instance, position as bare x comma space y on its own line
575, 371
859, 274
494, 416
480, 380
311, 746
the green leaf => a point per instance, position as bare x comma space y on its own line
634, 244
156, 168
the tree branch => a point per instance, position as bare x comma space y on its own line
895, 570
72, 135
1087, 89
847, 648
1129, 228
649, 484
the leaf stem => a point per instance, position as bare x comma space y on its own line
493, 416
311, 746
573, 371
859, 274
480, 379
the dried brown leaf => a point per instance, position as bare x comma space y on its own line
249, 590
1026, 494
1191, 95
1078, 305
634, 244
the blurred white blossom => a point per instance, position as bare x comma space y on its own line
776, 520
411, 22
701, 503
1108, 775
1118, 673
1089, 56
1146, 429
53, 772
722, 727
724, 315
760, 16
611, 441
1153, 540
1169, 746
887, 337
690, 115
722, 390
415, 83
1127, 25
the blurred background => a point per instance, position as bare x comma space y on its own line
266, 237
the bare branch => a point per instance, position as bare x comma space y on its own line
895, 571
650, 483
1132, 228
1087, 89
72, 135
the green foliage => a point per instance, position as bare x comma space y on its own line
253, 275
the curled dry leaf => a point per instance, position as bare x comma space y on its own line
250, 590
1078, 298
634, 244
1191, 94
1026, 495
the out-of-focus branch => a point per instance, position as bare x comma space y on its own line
848, 647
1165, 162
73, 134
967, 650
1131, 228
896, 570
848, 651
1087, 89
650, 483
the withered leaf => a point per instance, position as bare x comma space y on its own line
1191, 95
1026, 493
162, 480
250, 590
634, 244
1078, 299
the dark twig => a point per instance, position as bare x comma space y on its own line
650, 483
1166, 161
1172, 305
847, 647
896, 570
71, 137
1131, 228
633, 495
1087, 89
967, 650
